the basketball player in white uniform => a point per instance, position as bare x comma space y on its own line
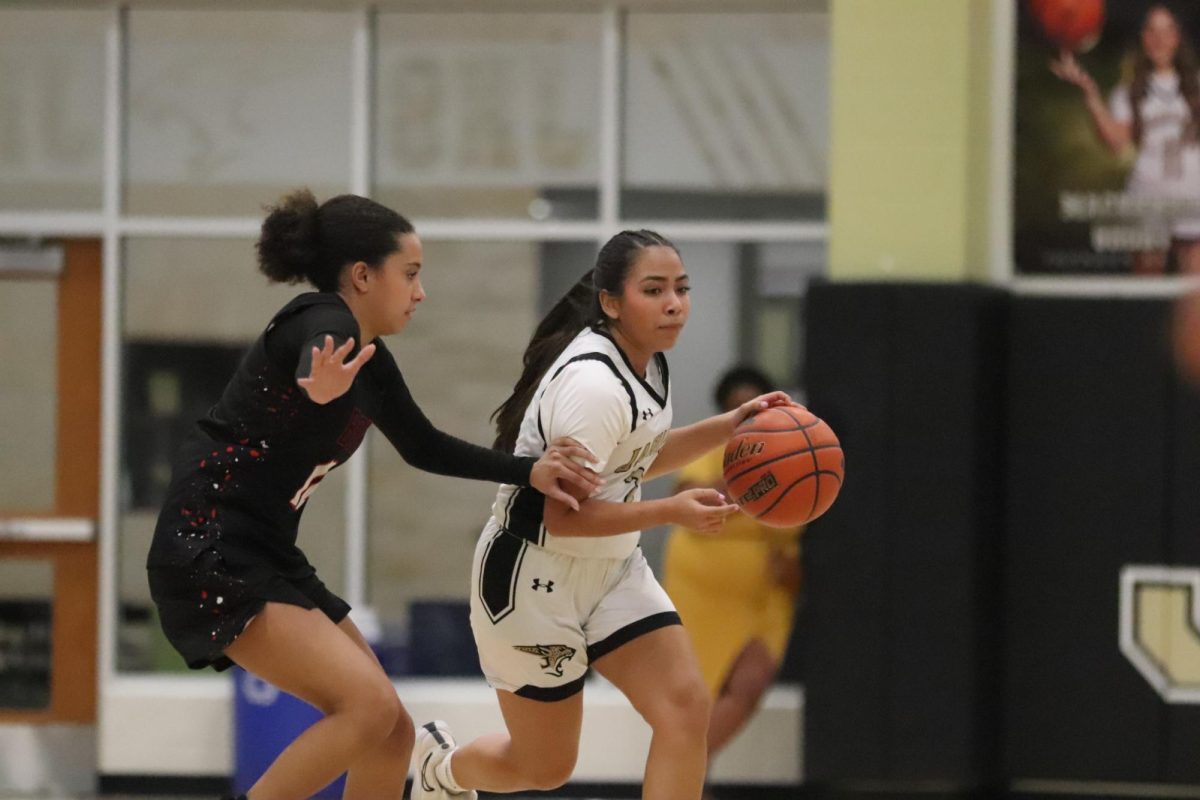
1158, 111
556, 592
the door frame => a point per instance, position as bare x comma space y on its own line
65, 535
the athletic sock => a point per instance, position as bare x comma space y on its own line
445, 776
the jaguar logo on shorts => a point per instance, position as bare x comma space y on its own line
553, 656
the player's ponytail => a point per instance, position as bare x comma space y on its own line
302, 241
1188, 68
578, 309
574, 312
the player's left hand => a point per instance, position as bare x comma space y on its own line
331, 374
760, 403
563, 461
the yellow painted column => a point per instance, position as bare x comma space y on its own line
910, 139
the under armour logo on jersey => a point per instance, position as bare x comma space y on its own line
553, 656
548, 585
646, 414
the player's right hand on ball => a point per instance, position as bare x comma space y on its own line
702, 510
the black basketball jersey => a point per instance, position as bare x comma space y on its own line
243, 477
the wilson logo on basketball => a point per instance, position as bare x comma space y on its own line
759, 488
743, 450
784, 465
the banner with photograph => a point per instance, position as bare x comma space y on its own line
1107, 138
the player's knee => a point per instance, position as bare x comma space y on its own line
682, 706
376, 710
402, 735
549, 770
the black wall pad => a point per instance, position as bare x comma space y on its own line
1091, 454
899, 623
1183, 549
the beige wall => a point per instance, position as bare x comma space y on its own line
28, 319
911, 138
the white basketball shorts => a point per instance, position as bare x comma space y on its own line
541, 617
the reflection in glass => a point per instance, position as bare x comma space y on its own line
460, 356
726, 116
228, 111
51, 108
488, 115
773, 332
26, 646
191, 308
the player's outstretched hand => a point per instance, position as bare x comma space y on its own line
563, 461
760, 403
702, 510
331, 374
1068, 69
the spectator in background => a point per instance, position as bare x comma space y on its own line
735, 589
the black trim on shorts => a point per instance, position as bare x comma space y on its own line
498, 575
632, 631
550, 694
526, 510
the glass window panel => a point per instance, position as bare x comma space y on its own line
460, 356
231, 110
191, 308
26, 610
774, 336
488, 115
726, 115
28, 393
52, 108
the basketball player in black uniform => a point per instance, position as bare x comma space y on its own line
230, 584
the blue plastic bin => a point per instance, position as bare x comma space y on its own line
265, 721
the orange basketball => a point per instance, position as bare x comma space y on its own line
1069, 24
784, 466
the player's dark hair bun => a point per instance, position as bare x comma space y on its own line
303, 241
287, 248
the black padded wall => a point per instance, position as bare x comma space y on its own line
1007, 457
899, 629
1104, 447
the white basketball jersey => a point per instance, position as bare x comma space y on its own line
1168, 165
591, 394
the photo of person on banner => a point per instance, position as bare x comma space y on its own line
1134, 179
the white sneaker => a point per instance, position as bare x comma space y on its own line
434, 743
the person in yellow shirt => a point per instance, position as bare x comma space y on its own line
735, 589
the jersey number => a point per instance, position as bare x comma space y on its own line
310, 485
635, 478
